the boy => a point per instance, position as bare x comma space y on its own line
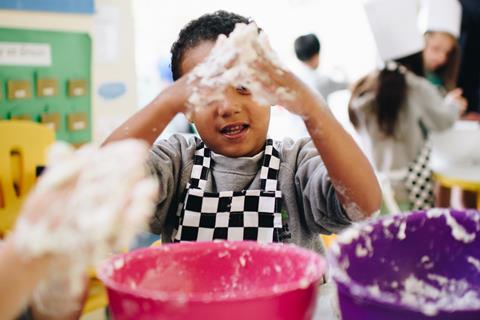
234, 183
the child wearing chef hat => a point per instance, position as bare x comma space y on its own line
440, 22
393, 108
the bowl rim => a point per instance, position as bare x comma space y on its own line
349, 285
208, 297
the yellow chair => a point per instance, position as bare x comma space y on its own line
450, 182
22, 152
327, 240
156, 243
97, 294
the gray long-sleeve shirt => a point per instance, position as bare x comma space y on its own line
309, 197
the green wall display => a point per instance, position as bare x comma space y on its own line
45, 76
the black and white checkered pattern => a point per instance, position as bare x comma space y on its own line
271, 165
231, 215
419, 182
201, 165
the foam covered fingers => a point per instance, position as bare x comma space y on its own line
178, 94
44, 207
244, 59
85, 205
137, 211
88, 202
275, 83
58, 297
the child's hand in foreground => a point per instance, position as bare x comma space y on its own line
87, 204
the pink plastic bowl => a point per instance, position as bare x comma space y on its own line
213, 280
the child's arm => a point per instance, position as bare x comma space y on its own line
49, 245
254, 63
349, 169
148, 123
347, 166
18, 277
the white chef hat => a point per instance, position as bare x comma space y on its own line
441, 15
394, 27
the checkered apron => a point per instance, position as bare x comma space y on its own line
231, 215
419, 182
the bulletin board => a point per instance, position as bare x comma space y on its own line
69, 6
45, 76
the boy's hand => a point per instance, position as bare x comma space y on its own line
245, 59
177, 95
231, 63
277, 81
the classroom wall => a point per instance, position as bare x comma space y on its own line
113, 59
341, 25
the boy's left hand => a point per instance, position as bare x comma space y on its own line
282, 86
246, 59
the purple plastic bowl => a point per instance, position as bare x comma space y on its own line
410, 266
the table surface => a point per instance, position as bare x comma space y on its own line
327, 305
467, 175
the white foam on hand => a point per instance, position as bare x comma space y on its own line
88, 203
234, 61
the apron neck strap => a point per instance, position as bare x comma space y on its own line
268, 174
270, 167
201, 165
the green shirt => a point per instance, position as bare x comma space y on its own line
434, 79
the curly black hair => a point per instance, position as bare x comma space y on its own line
206, 28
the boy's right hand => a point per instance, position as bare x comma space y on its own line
231, 63
246, 59
176, 95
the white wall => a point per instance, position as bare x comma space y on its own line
114, 32
340, 24
146, 32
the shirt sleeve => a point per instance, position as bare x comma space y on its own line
322, 209
330, 86
166, 161
436, 113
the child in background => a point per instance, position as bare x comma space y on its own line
394, 108
233, 182
20, 277
307, 49
440, 22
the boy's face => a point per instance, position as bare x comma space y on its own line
234, 127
